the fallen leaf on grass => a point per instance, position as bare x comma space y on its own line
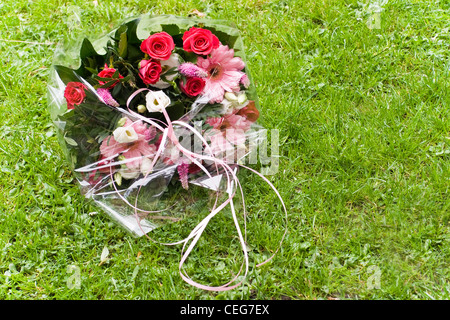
197, 13
104, 256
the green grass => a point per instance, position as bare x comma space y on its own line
364, 125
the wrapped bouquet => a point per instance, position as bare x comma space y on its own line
160, 102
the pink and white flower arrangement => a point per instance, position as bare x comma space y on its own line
216, 74
167, 72
132, 116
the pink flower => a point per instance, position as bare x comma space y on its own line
218, 142
235, 136
150, 133
171, 154
238, 122
224, 73
245, 81
136, 149
225, 141
183, 172
107, 97
138, 126
191, 70
216, 122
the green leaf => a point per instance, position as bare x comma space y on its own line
152, 24
135, 272
132, 31
171, 29
176, 111
93, 71
87, 50
66, 74
116, 90
171, 71
96, 77
227, 37
123, 45
91, 63
70, 141
123, 28
134, 53
111, 81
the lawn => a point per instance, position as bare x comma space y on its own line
360, 95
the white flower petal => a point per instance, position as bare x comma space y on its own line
146, 166
157, 101
129, 173
125, 135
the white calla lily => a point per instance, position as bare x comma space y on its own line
125, 135
156, 101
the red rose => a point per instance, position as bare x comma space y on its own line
193, 87
158, 46
149, 71
74, 94
200, 41
108, 73
249, 111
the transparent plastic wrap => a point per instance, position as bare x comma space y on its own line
158, 103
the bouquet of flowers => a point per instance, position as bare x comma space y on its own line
160, 102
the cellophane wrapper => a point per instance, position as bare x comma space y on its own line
111, 131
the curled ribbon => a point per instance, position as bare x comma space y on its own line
233, 184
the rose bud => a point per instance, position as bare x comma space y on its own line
141, 108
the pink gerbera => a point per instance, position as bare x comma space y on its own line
224, 72
215, 122
137, 149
